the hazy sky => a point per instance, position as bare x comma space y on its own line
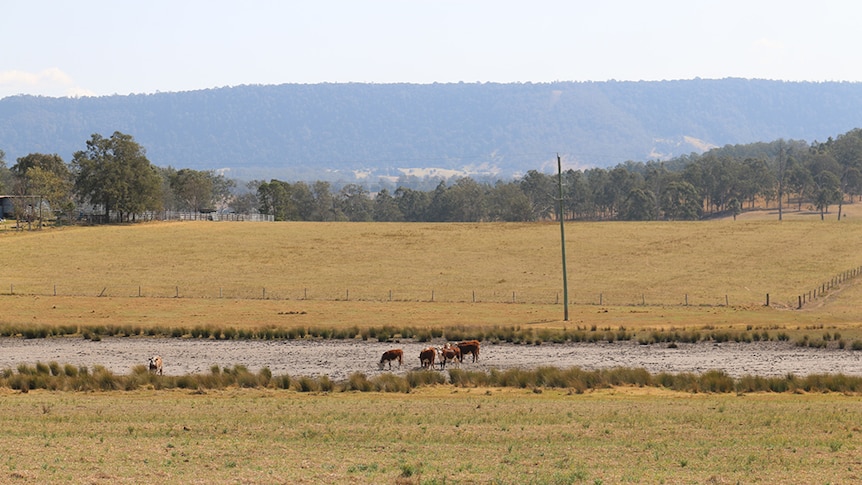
90, 47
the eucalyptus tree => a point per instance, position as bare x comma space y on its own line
847, 150
413, 204
680, 201
507, 202
799, 180
274, 198
639, 205
325, 205
47, 176
466, 201
577, 199
354, 201
193, 189
541, 191
386, 208
115, 174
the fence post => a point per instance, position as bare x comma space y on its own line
767, 299
474, 296
726, 300
686, 299
264, 293
178, 292
432, 295
800, 303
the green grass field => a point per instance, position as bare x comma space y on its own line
285, 275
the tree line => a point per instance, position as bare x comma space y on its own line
113, 177
721, 181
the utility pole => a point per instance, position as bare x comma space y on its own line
562, 217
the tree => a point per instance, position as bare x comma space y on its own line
681, 202
193, 188
638, 206
827, 191
274, 199
539, 189
355, 203
848, 153
116, 174
413, 204
325, 208
386, 208
246, 201
5, 173
47, 176
507, 202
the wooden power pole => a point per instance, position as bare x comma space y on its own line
562, 217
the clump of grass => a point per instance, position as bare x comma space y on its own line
70, 378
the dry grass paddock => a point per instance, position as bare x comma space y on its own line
253, 275
340, 275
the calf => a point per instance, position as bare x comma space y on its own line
449, 353
426, 357
155, 364
389, 356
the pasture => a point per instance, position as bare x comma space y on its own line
467, 277
432, 436
344, 275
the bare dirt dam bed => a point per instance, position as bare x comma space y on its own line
340, 358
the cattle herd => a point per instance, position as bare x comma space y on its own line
428, 357
431, 355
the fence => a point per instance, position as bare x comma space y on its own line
827, 286
168, 215
540, 296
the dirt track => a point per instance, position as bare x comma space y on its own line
338, 358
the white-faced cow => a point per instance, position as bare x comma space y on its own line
449, 353
469, 347
389, 356
426, 357
155, 364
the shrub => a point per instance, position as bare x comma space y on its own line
391, 383
357, 381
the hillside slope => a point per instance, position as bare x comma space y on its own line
333, 131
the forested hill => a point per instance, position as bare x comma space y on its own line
331, 131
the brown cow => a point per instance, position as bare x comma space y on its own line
469, 347
426, 357
449, 353
389, 356
155, 364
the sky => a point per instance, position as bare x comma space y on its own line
105, 47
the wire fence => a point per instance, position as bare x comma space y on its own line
377, 294
539, 296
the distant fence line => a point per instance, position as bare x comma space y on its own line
820, 291
170, 215
279, 293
